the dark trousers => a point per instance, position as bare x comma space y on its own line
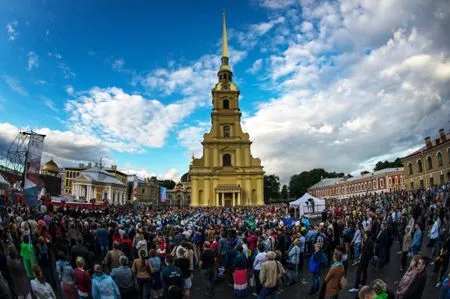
301, 262
362, 268
404, 259
257, 281
143, 285
208, 277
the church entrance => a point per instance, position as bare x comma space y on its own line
228, 200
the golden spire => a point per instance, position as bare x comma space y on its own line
224, 37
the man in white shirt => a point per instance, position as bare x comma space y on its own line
434, 236
260, 258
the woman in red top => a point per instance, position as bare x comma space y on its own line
82, 279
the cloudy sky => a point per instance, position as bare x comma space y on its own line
332, 84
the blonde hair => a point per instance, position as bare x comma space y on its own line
80, 261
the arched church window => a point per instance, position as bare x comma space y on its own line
226, 160
419, 166
226, 131
226, 104
430, 162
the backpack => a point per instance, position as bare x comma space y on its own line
342, 282
197, 238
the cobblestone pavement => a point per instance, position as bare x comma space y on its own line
390, 273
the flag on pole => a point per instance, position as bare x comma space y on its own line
135, 187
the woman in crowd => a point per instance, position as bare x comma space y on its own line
415, 289
20, 283
335, 277
82, 279
240, 272
143, 270
156, 263
66, 276
41, 289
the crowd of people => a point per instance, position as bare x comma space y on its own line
121, 252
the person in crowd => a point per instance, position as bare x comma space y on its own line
155, 261
45, 261
182, 261
207, 265
41, 288
66, 276
240, 272
28, 254
143, 270
356, 242
433, 237
366, 292
408, 277
382, 243
103, 286
417, 240
20, 283
335, 276
366, 256
415, 288
406, 246
82, 279
293, 261
112, 258
260, 258
171, 277
316, 262
270, 276
380, 289
124, 278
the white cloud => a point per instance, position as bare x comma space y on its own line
49, 103
256, 66
124, 121
11, 29
64, 147
360, 124
70, 90
33, 60
15, 85
191, 138
67, 72
172, 174
118, 64
307, 26
366, 79
276, 4
55, 55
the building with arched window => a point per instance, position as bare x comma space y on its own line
227, 174
360, 185
435, 168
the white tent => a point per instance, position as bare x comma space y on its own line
305, 206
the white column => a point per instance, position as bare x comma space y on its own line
110, 193
234, 199
239, 198
217, 199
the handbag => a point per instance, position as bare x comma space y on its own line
342, 282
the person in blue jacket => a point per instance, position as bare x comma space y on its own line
103, 286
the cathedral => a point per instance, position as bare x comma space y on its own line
227, 175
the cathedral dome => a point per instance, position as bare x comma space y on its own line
50, 167
185, 178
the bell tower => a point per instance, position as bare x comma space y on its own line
227, 174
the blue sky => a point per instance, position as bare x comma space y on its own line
333, 84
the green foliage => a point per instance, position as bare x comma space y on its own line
386, 164
364, 172
169, 184
299, 183
271, 187
284, 192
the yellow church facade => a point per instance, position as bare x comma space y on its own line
227, 174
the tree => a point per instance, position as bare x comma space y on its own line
169, 184
386, 164
364, 172
284, 192
271, 187
299, 183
